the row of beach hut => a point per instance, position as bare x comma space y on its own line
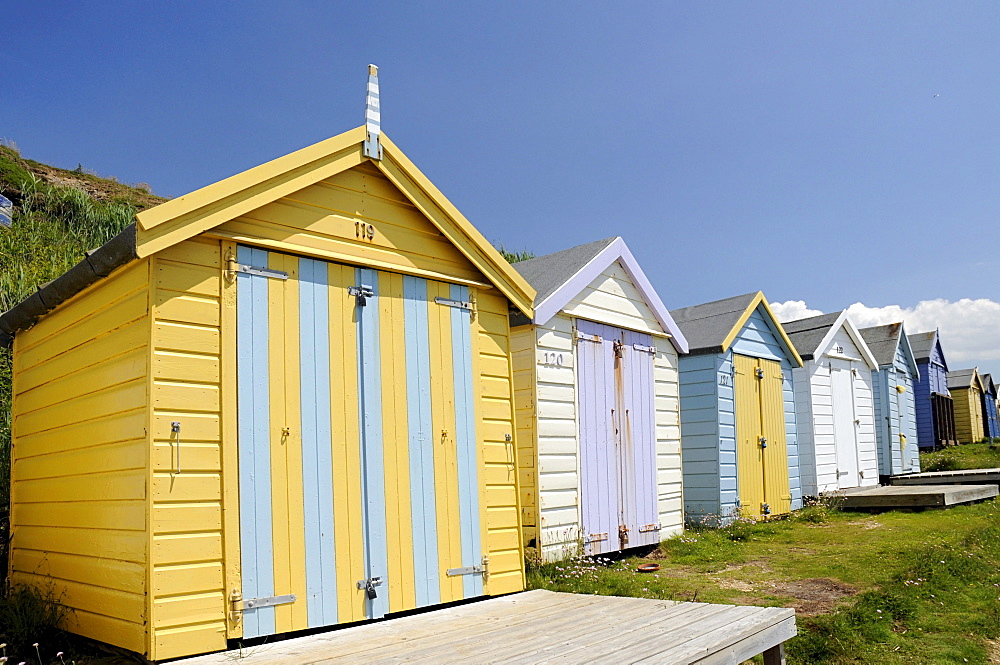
313, 393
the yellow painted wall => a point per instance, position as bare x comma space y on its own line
969, 426
491, 349
78, 481
324, 221
522, 342
188, 612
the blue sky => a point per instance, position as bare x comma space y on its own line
830, 153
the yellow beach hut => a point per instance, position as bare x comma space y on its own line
280, 402
966, 387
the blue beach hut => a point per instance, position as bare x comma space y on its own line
934, 405
992, 426
738, 431
895, 406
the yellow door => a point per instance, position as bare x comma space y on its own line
761, 449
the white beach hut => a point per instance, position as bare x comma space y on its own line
834, 404
596, 403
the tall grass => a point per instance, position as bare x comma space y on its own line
53, 225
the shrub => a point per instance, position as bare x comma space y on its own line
30, 615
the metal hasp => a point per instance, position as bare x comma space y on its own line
765, 509
459, 304
256, 603
362, 293
261, 272
373, 116
368, 586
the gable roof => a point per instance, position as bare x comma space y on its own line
559, 277
712, 327
813, 335
988, 385
923, 346
177, 220
885, 340
964, 378
186, 216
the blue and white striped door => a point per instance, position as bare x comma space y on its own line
373, 471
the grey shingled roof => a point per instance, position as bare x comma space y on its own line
706, 326
988, 384
922, 344
882, 340
960, 378
806, 334
547, 273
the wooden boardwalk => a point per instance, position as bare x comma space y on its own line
963, 477
916, 496
543, 627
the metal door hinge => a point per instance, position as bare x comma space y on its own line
240, 605
589, 338
458, 304
646, 528
368, 586
362, 293
465, 570
597, 537
483, 569
260, 272
646, 349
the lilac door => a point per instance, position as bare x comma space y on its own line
617, 438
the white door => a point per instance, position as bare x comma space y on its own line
845, 427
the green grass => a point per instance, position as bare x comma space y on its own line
983, 455
899, 587
513, 255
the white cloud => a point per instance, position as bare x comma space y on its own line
793, 310
970, 329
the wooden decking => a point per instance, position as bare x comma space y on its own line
543, 627
964, 477
916, 496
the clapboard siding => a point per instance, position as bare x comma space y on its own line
323, 219
669, 478
78, 478
700, 450
612, 298
557, 431
492, 348
522, 341
187, 535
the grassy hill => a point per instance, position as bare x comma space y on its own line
58, 215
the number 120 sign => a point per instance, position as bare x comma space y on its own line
557, 359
